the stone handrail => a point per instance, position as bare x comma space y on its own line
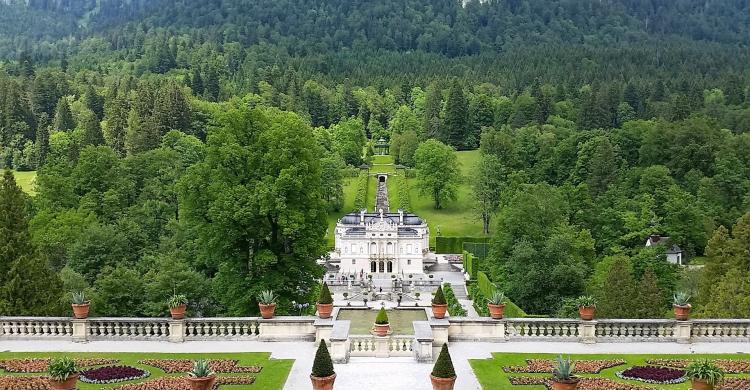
720, 330
38, 327
112, 328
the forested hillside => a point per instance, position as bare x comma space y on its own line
197, 146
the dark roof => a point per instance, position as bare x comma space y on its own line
409, 219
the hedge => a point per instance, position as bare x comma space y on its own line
453, 245
360, 200
403, 193
484, 288
454, 307
478, 249
470, 266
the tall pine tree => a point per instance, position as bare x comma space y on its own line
63, 116
456, 116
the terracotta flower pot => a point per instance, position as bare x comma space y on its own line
266, 311
382, 330
206, 383
682, 313
587, 312
324, 383
438, 311
68, 384
568, 385
324, 310
496, 311
442, 383
178, 312
698, 384
81, 311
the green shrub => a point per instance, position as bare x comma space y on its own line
586, 301
322, 365
454, 307
478, 295
79, 298
439, 298
452, 245
201, 369
444, 365
478, 249
61, 368
705, 371
325, 295
563, 370
177, 300
267, 297
382, 318
403, 193
360, 199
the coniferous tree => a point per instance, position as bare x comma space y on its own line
616, 296
196, 82
94, 102
42, 141
211, 88
456, 116
116, 118
63, 117
92, 130
649, 301
432, 107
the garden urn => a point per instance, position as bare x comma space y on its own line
324, 309
438, 311
565, 385
267, 311
202, 383
178, 312
67, 384
442, 383
682, 312
323, 383
496, 311
586, 313
81, 311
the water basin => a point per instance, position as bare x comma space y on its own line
400, 320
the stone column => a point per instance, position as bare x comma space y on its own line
340, 342
439, 333
176, 331
587, 332
423, 340
683, 331
80, 330
381, 346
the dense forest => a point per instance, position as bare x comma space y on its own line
172, 144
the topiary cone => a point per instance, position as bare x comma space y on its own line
443, 375
322, 376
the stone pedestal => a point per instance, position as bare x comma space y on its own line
381, 347
80, 330
323, 329
682, 331
439, 333
176, 331
587, 332
340, 342
423, 340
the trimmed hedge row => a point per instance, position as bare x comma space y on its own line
470, 266
453, 245
478, 249
403, 193
454, 307
482, 289
360, 200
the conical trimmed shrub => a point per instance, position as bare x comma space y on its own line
322, 365
444, 365
382, 317
325, 295
439, 298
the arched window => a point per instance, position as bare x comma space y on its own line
390, 266
389, 248
373, 248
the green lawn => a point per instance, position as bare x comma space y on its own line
272, 376
491, 376
26, 181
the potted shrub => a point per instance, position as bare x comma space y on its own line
201, 377
346, 295
586, 307
267, 303
325, 302
439, 305
562, 375
704, 375
80, 305
381, 323
443, 374
322, 375
496, 304
681, 305
177, 306
63, 374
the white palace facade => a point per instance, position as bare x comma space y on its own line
370, 243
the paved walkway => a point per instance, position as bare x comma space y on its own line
368, 373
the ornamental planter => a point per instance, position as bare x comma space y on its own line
324, 310
68, 384
438, 311
381, 330
323, 383
442, 383
205, 383
81, 311
682, 313
178, 312
267, 311
698, 384
568, 385
496, 311
586, 313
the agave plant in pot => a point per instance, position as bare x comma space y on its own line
586, 307
325, 302
496, 304
63, 373
267, 303
704, 375
80, 305
562, 375
382, 327
177, 306
201, 377
322, 375
681, 305
439, 304
443, 374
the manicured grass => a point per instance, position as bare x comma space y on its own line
491, 376
25, 180
272, 376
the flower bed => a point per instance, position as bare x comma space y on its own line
24, 382
538, 366
585, 384
171, 366
735, 384
729, 366
654, 375
113, 374
181, 383
40, 365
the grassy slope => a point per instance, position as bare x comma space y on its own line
273, 375
456, 218
350, 192
491, 376
26, 181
